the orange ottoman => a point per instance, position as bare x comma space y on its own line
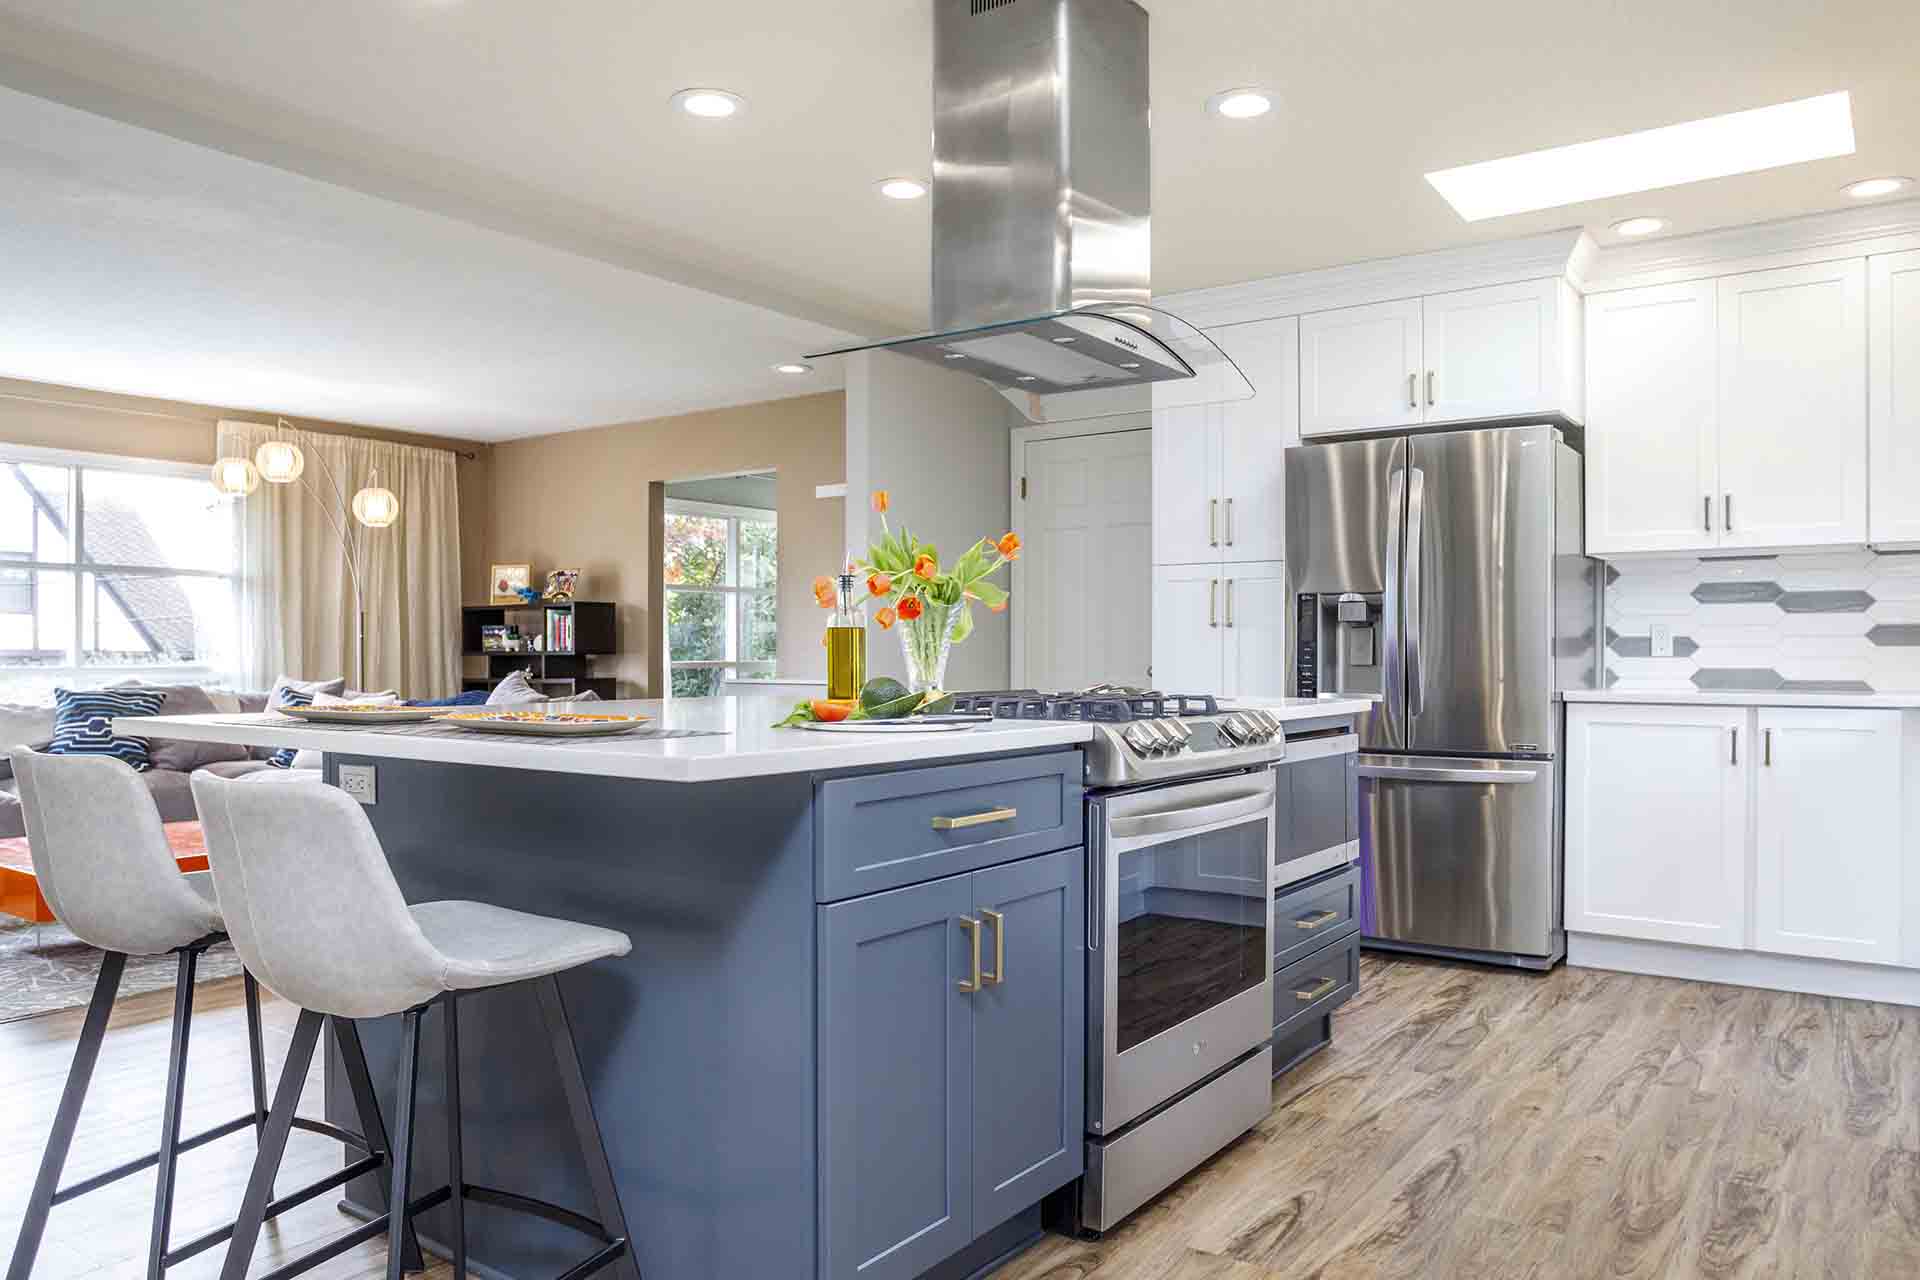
20, 888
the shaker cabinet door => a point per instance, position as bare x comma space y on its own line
1029, 1034
1186, 486
1254, 436
1893, 398
896, 1084
1253, 617
1495, 352
1360, 368
1186, 628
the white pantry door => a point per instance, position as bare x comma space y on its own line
1088, 586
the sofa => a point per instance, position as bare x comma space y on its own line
174, 761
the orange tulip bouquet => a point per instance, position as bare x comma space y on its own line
932, 608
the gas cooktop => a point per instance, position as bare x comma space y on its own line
1143, 735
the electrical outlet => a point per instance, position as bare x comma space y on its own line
1662, 634
357, 781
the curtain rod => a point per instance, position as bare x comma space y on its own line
468, 455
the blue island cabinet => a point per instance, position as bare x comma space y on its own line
951, 1080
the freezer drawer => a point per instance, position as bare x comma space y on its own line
1461, 854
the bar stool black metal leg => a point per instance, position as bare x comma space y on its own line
256, 1053
353, 1060
169, 1157
456, 1159
87, 1052
586, 1129
398, 1217
273, 1145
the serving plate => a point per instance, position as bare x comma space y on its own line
361, 713
906, 724
556, 724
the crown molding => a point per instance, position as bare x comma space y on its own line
1887, 227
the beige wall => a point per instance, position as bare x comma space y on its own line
579, 500
51, 417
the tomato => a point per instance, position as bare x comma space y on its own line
824, 709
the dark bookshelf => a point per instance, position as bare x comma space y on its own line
557, 672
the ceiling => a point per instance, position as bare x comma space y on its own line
549, 124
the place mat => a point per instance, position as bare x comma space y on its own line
432, 729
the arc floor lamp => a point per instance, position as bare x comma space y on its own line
371, 507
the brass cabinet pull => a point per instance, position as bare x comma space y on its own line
972, 927
1213, 603
1429, 386
1766, 747
999, 923
1007, 814
1706, 512
1314, 992
1317, 919
1229, 601
1213, 516
1726, 515
1733, 751
1413, 396
1229, 521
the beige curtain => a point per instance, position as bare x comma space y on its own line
297, 593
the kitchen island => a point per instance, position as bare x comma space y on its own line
801, 1068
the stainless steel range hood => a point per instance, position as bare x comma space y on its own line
1041, 250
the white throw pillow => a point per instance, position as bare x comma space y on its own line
354, 697
335, 686
22, 725
515, 691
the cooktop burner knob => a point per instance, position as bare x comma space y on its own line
1180, 731
1140, 738
1234, 730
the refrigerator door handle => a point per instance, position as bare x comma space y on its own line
1420, 773
1391, 670
1411, 593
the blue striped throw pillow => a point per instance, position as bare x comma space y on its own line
283, 758
83, 723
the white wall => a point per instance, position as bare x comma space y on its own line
938, 443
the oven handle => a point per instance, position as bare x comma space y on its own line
1418, 773
1161, 822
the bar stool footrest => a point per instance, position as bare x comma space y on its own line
220, 1235
359, 1235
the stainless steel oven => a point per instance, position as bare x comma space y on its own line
1181, 939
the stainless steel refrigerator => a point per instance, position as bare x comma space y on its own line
1444, 573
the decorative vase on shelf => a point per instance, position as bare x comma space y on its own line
926, 643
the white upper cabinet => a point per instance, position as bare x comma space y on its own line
1360, 368
1253, 616
1187, 645
1827, 879
1219, 488
1893, 397
1500, 352
1793, 411
1652, 419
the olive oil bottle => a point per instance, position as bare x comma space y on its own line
846, 645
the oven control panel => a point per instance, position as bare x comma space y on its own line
1153, 739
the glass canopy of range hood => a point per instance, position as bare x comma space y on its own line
1095, 361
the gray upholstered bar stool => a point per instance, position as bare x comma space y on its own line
314, 910
101, 857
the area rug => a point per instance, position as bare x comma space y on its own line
44, 968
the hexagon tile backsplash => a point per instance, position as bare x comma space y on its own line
1825, 622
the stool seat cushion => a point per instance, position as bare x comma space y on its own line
488, 946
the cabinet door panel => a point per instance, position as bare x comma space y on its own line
1828, 878
1360, 367
1793, 406
1253, 618
1652, 419
1893, 401
895, 1089
1186, 486
1657, 822
1253, 434
1029, 1035
1186, 627
1088, 577
1492, 352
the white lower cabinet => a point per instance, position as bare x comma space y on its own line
1221, 628
1827, 878
1777, 829
1657, 821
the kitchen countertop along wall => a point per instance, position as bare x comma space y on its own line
1747, 698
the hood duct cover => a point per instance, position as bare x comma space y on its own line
1041, 245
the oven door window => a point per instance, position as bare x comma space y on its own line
1193, 912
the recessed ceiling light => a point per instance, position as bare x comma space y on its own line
902, 189
793, 367
1024, 377
1717, 147
1065, 341
709, 104
1130, 364
1868, 188
1240, 104
953, 355
1639, 226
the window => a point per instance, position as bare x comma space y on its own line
721, 563
110, 570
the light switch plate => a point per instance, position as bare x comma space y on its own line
1662, 633
357, 781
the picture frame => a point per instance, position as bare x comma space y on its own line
561, 584
499, 639
508, 580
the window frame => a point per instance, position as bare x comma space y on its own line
79, 568
734, 593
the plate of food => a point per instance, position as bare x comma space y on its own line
361, 713
548, 724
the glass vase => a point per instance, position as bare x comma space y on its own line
926, 642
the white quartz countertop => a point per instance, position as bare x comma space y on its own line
740, 741
1744, 698
1289, 709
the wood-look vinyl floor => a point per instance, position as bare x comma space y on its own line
1467, 1123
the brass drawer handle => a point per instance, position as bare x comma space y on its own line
1315, 991
999, 923
972, 927
975, 819
1317, 919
